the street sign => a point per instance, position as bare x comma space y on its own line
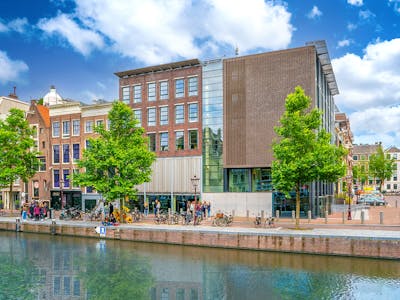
101, 230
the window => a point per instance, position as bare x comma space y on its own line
151, 116
179, 88
395, 155
179, 114
77, 287
137, 113
355, 157
152, 142
66, 177
395, 178
65, 153
164, 115
164, 141
388, 186
193, 112
35, 188
56, 178
151, 91
56, 154
75, 150
99, 122
66, 128
125, 94
164, 90
43, 144
193, 86
137, 93
67, 286
193, 138
57, 285
89, 126
395, 186
76, 127
87, 144
89, 189
56, 129
179, 140
42, 164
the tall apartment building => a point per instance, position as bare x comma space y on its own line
233, 104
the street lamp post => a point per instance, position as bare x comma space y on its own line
349, 178
195, 183
61, 193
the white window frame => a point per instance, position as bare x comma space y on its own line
151, 91
191, 91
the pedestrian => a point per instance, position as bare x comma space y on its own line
209, 209
111, 209
158, 207
146, 208
36, 211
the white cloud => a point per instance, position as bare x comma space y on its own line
343, 43
157, 31
314, 13
351, 26
366, 14
83, 40
10, 70
371, 85
396, 5
355, 2
18, 25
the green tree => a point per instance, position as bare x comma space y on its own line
18, 160
381, 166
303, 152
360, 174
118, 159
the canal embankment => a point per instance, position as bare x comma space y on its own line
356, 242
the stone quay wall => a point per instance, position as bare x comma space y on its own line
307, 242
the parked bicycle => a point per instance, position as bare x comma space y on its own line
136, 215
161, 218
71, 213
222, 219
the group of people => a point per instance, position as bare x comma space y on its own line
35, 210
199, 209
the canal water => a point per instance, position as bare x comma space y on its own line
34, 266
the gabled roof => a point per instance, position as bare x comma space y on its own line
392, 149
366, 149
44, 113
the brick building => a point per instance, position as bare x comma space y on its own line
238, 102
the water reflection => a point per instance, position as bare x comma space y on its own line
53, 267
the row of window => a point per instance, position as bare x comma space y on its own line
163, 114
163, 90
76, 127
180, 141
68, 154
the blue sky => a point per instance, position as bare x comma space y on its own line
78, 45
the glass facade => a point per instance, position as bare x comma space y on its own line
213, 172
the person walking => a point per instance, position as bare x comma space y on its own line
146, 208
111, 209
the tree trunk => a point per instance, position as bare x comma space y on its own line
10, 198
297, 206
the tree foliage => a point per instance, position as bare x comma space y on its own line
118, 159
17, 160
381, 166
303, 152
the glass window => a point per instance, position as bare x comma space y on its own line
77, 287
89, 189
56, 154
261, 180
164, 90
152, 142
65, 153
87, 144
66, 128
137, 93
164, 115
67, 286
66, 177
179, 88
75, 150
125, 94
395, 178
193, 139
164, 141
179, 140
42, 164
395, 186
56, 129
388, 186
193, 112
193, 86
76, 127
57, 285
151, 116
99, 122
138, 116
56, 178
239, 180
355, 157
179, 114
89, 126
151, 91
